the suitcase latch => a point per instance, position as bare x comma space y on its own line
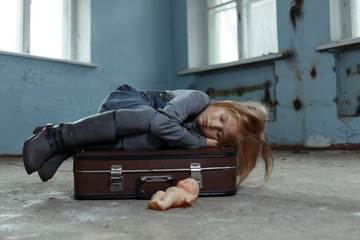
195, 169
116, 179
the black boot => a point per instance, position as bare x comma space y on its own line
49, 168
58, 139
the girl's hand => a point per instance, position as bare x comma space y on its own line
211, 142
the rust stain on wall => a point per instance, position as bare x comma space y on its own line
267, 96
313, 72
358, 107
297, 104
298, 75
239, 91
345, 119
296, 11
350, 73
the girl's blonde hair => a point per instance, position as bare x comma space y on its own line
252, 139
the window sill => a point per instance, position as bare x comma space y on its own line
71, 62
339, 45
264, 58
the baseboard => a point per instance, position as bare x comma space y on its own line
353, 146
10, 155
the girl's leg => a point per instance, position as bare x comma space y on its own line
131, 142
101, 128
135, 119
145, 141
57, 139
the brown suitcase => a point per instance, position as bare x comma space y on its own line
139, 174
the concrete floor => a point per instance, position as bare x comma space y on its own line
311, 195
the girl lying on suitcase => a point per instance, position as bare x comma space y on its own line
130, 119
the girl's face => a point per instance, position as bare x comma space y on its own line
218, 124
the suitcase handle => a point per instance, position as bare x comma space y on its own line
140, 193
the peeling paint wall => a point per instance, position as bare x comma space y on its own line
316, 94
348, 89
260, 87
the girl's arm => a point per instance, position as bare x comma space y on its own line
167, 124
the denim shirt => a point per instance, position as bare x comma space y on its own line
174, 121
127, 96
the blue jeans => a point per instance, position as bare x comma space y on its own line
135, 110
127, 96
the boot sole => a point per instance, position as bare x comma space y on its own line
46, 174
27, 165
42, 175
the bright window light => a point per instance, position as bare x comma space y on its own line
58, 29
355, 13
10, 25
261, 34
48, 28
223, 38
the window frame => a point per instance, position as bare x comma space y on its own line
248, 61
219, 7
197, 15
78, 18
342, 19
343, 37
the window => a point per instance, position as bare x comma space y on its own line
46, 28
223, 36
221, 31
344, 19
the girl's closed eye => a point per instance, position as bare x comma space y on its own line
219, 134
224, 117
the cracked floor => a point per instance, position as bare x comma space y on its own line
311, 195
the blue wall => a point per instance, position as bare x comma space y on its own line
130, 43
316, 93
144, 43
